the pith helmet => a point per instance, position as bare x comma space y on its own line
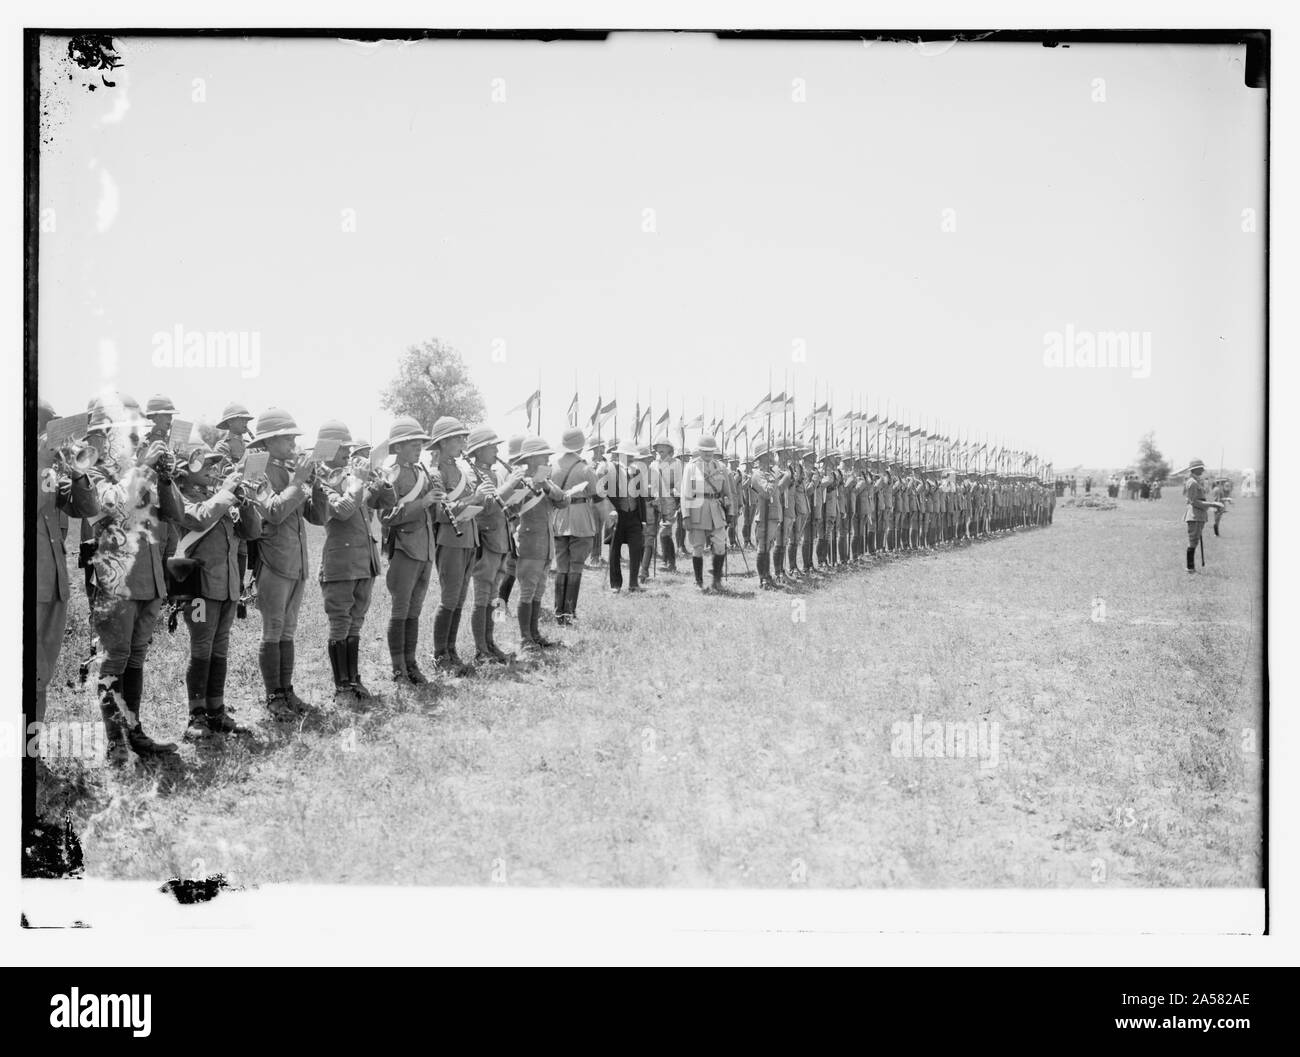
447, 427
405, 428
573, 440
234, 411
513, 445
333, 429
480, 438
662, 441
706, 445
1196, 464
159, 405
532, 447
275, 422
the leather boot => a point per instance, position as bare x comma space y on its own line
792, 558
410, 642
536, 615
1191, 559
268, 660
479, 624
352, 654
718, 561
561, 598
295, 702
697, 564
441, 632
526, 642
453, 634
338, 655
778, 562
110, 692
507, 585
397, 647
490, 630
571, 588
763, 563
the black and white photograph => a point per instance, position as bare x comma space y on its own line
751, 461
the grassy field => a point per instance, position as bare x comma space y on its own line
757, 740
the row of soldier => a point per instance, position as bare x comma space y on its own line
184, 529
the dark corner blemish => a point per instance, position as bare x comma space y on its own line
52, 850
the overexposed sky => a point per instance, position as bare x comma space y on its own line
918, 224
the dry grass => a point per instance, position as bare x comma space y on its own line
704, 741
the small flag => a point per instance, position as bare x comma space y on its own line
529, 406
663, 420
572, 413
595, 414
606, 413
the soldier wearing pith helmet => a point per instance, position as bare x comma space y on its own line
495, 541
576, 525
283, 564
160, 411
408, 544
707, 505
344, 499
1197, 507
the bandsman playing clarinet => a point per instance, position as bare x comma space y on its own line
533, 542
495, 539
408, 545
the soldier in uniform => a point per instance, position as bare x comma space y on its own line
218, 512
599, 467
625, 486
506, 581
159, 410
496, 539
577, 524
665, 489
801, 468
64, 490
768, 484
785, 454
707, 505
533, 540
456, 537
235, 418
135, 492
408, 545
283, 563
1197, 505
1219, 493
344, 498
747, 500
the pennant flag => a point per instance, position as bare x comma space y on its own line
606, 413
528, 406
643, 422
663, 420
572, 413
696, 423
762, 407
681, 435
595, 415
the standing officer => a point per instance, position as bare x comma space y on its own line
1197, 505
506, 581
64, 488
455, 538
408, 545
625, 487
804, 487
235, 418
599, 467
283, 562
707, 505
576, 525
344, 497
136, 495
496, 540
1220, 495
768, 485
218, 512
665, 490
533, 537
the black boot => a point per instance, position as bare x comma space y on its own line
301, 707
1191, 559
571, 587
536, 615
196, 691
697, 564
479, 623
507, 585
441, 632
778, 562
453, 634
352, 652
219, 720
792, 558
525, 617
397, 647
718, 561
410, 642
338, 655
764, 563
268, 660
561, 598
490, 633
670, 553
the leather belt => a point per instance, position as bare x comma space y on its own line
581, 499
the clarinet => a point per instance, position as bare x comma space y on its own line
480, 477
527, 482
435, 478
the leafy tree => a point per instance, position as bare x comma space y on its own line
432, 381
209, 434
1152, 465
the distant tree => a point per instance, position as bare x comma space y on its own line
209, 433
432, 381
1152, 465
